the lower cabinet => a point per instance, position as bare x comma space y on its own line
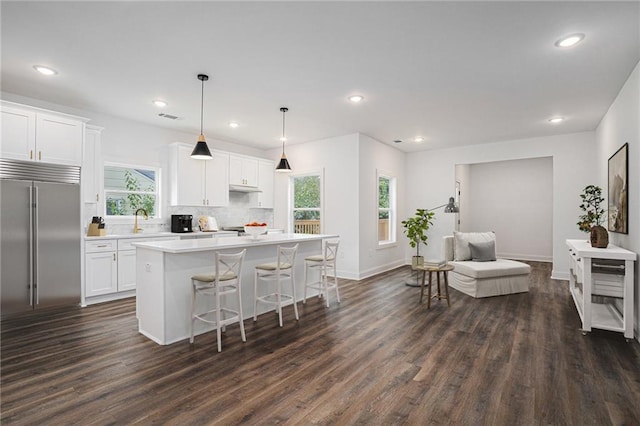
110, 268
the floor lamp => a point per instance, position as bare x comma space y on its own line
449, 207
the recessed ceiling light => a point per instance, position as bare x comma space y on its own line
418, 139
45, 70
160, 103
556, 120
570, 40
356, 98
234, 124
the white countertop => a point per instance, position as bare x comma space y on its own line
156, 234
195, 245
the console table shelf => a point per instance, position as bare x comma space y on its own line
601, 284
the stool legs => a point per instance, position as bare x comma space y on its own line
429, 295
446, 287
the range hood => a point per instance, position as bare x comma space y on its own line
242, 188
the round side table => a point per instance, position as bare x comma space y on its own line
437, 269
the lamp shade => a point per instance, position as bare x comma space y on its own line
283, 165
201, 150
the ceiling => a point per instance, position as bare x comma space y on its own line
456, 73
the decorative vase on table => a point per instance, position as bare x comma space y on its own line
599, 237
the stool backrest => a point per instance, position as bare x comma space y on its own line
331, 251
286, 256
228, 265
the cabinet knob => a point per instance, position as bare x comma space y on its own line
39, 155
114, 257
30, 154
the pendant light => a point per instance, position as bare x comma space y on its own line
201, 150
283, 166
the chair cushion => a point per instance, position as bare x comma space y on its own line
209, 278
499, 268
461, 250
272, 266
483, 252
318, 258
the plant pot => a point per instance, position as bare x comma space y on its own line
599, 237
417, 261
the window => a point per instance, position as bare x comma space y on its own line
386, 209
307, 203
128, 188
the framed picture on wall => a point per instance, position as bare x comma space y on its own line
618, 190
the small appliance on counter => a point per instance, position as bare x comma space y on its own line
181, 223
208, 224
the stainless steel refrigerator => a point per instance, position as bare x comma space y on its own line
40, 233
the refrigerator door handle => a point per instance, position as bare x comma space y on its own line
35, 252
31, 260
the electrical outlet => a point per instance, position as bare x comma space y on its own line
147, 267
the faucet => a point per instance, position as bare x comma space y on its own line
135, 224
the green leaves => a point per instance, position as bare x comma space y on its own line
591, 199
416, 227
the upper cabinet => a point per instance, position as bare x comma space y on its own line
198, 182
92, 164
266, 172
32, 134
243, 171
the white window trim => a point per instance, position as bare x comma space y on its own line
130, 219
393, 208
316, 172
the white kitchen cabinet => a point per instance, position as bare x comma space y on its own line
601, 284
33, 134
198, 182
243, 171
110, 267
266, 172
101, 268
92, 164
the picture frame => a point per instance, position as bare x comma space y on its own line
618, 181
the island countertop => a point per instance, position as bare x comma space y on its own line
196, 245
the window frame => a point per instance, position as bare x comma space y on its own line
290, 208
392, 209
157, 217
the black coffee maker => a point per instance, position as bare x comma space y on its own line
181, 223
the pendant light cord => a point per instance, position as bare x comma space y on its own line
284, 110
201, 106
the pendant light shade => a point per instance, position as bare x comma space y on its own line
201, 150
283, 165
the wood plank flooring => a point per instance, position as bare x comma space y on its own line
377, 358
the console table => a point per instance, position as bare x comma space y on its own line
601, 283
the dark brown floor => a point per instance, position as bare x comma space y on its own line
377, 358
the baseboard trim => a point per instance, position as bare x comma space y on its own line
556, 275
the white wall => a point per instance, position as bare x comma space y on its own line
376, 156
464, 214
621, 124
514, 199
338, 157
573, 165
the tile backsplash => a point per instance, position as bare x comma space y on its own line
237, 213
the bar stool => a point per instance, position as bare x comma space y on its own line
281, 270
225, 280
321, 263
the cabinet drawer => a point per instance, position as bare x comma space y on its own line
101, 245
127, 244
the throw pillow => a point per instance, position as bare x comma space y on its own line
461, 242
483, 252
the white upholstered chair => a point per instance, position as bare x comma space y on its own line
224, 281
277, 272
322, 263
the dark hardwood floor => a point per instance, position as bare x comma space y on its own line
377, 358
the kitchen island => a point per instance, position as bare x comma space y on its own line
164, 270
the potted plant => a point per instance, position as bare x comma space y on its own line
415, 228
593, 216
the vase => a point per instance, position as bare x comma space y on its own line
417, 261
599, 237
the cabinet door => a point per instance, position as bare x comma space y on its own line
126, 270
266, 171
91, 165
190, 179
18, 137
217, 179
235, 170
59, 139
101, 273
250, 171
